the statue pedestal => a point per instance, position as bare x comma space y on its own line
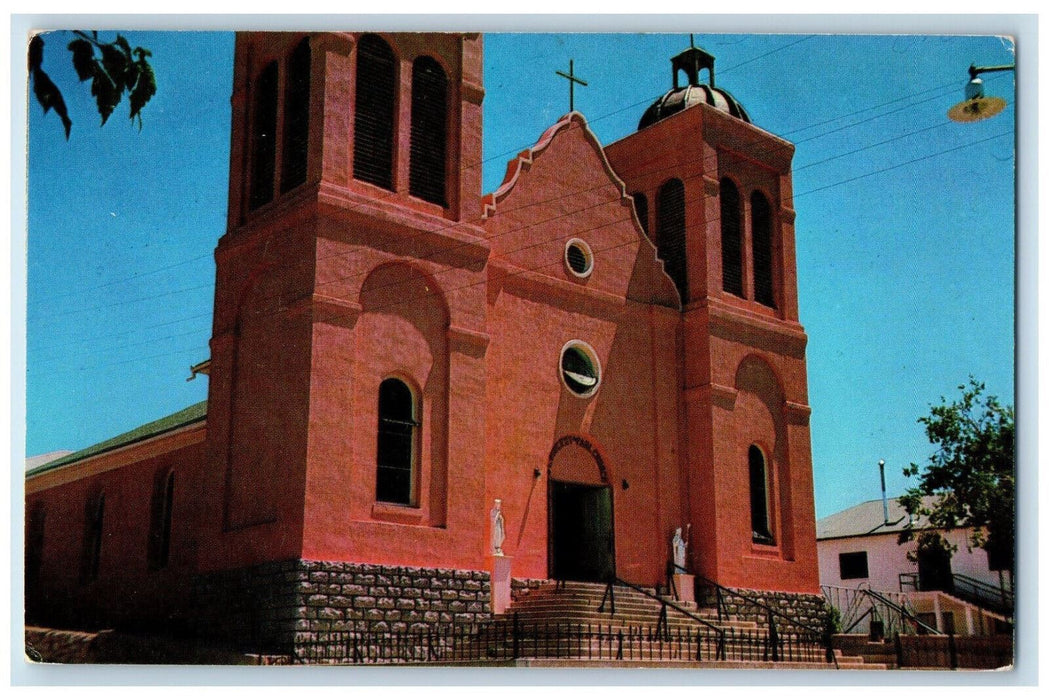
499, 565
685, 585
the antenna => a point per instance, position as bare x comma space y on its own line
884, 496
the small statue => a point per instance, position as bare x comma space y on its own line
679, 546
498, 528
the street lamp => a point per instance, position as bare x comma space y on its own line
975, 106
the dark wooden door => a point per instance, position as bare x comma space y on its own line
582, 547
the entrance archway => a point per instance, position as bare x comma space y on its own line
581, 533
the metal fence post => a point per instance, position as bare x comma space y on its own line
516, 634
898, 644
952, 650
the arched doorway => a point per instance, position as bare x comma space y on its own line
581, 537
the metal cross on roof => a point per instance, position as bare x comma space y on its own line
572, 80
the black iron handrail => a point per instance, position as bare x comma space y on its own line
719, 588
669, 604
900, 610
772, 613
980, 593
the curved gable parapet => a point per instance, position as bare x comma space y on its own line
647, 281
525, 158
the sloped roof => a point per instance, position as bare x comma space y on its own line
177, 420
867, 518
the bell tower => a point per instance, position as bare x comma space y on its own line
352, 243
714, 193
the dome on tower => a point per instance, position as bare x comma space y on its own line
692, 61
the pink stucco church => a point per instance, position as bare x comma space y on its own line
608, 344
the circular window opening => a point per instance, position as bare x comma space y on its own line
580, 370
579, 258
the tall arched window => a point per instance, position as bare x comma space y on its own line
396, 454
93, 530
641, 206
375, 96
670, 233
160, 521
759, 504
731, 239
761, 249
426, 170
296, 118
264, 137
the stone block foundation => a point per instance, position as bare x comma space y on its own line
273, 607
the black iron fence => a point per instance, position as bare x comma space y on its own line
951, 652
508, 640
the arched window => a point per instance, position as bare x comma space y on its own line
375, 96
160, 521
426, 170
731, 239
641, 206
395, 459
761, 249
670, 233
95, 511
264, 137
759, 505
296, 118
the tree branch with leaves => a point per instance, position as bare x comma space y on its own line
970, 480
114, 69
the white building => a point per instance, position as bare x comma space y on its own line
859, 549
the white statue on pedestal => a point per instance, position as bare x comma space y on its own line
679, 546
498, 528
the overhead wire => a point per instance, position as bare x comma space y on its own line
574, 194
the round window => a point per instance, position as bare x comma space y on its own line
579, 258
580, 370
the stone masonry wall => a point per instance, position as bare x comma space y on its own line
277, 606
809, 609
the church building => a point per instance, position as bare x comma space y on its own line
415, 386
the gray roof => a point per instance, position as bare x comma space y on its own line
867, 518
177, 420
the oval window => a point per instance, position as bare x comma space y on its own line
580, 370
579, 258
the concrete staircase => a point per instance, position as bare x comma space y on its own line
562, 625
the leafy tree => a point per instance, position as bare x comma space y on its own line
971, 477
113, 68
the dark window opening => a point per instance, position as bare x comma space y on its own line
94, 519
731, 239
34, 546
579, 371
396, 443
296, 118
160, 521
375, 96
759, 506
761, 244
670, 234
641, 206
264, 138
852, 565
578, 259
426, 172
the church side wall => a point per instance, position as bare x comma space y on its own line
127, 591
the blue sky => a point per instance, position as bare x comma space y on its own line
905, 222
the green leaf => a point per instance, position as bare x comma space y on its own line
145, 88
106, 93
36, 53
83, 59
50, 97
